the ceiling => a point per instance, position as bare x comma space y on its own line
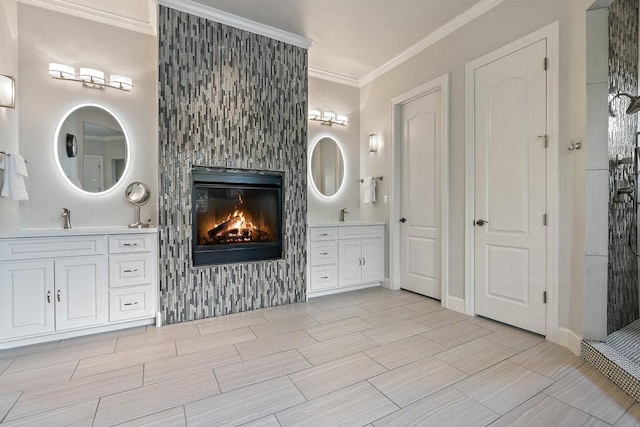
353, 38
354, 41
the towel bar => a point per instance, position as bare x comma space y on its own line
8, 154
375, 177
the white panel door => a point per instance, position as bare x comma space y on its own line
26, 298
350, 262
420, 205
81, 292
510, 188
93, 176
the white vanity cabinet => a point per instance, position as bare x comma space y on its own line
344, 256
68, 285
132, 277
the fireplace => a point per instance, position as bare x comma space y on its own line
237, 215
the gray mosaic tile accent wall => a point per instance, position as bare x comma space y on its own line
228, 98
622, 303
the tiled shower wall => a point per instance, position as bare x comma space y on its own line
622, 292
228, 98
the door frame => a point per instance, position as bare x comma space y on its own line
551, 34
440, 83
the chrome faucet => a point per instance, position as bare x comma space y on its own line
343, 211
66, 214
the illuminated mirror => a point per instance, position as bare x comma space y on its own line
327, 166
92, 149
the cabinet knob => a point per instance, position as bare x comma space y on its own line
403, 220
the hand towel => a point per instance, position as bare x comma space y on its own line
15, 170
369, 187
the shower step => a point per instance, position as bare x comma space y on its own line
609, 359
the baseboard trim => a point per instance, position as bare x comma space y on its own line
386, 283
455, 304
571, 340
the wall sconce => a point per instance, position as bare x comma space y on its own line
90, 77
327, 118
7, 91
373, 143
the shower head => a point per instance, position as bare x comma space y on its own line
634, 104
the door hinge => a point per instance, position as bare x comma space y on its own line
544, 297
544, 219
545, 63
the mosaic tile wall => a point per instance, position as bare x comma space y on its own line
228, 98
622, 304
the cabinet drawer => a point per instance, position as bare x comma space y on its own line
317, 234
322, 253
130, 269
50, 247
131, 243
361, 232
324, 277
131, 303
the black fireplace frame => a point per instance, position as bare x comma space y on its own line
207, 255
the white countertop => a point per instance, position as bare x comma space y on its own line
80, 231
344, 223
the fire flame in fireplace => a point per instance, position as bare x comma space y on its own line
237, 227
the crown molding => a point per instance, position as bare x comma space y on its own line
453, 25
95, 15
226, 18
333, 77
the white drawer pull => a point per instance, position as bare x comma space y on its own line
131, 303
129, 244
131, 271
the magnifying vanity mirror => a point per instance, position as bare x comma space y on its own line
137, 194
92, 148
327, 166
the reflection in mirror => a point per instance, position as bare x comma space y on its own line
327, 167
92, 148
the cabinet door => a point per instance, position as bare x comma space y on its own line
26, 298
81, 292
372, 261
349, 263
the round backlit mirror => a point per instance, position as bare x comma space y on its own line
92, 148
137, 194
327, 166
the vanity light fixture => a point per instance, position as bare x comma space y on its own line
7, 91
90, 77
328, 118
373, 143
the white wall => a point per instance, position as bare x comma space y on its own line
503, 24
341, 99
9, 209
46, 36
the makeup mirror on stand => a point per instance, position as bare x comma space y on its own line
137, 194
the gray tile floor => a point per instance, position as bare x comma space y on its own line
369, 357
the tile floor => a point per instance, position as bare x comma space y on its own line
370, 357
